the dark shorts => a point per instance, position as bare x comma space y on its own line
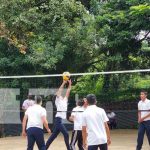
96, 147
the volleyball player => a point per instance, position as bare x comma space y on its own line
143, 119
95, 129
61, 104
76, 117
36, 116
28, 102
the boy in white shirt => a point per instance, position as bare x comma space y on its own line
112, 119
61, 104
95, 130
36, 116
76, 117
28, 102
143, 119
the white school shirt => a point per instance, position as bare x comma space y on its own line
35, 114
27, 103
61, 105
94, 119
78, 115
111, 115
144, 105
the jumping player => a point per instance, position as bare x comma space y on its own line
61, 104
36, 116
143, 119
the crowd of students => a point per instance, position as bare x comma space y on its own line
91, 123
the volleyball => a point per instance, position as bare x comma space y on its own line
66, 76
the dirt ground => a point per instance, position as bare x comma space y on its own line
121, 140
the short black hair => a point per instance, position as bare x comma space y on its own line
80, 102
145, 92
30, 97
91, 99
38, 99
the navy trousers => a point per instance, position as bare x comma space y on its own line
35, 135
59, 127
101, 147
143, 127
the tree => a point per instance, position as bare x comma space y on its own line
119, 40
43, 37
51, 32
120, 23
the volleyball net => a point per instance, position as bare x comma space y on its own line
116, 91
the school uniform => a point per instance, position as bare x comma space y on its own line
27, 103
77, 113
35, 127
112, 120
61, 105
94, 119
145, 125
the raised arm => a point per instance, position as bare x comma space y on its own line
59, 92
69, 89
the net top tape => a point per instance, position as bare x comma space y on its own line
77, 74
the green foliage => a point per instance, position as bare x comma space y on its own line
52, 36
142, 82
119, 24
50, 31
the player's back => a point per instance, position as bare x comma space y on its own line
27, 103
35, 114
78, 116
94, 115
94, 119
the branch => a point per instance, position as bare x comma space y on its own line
95, 67
144, 37
86, 66
39, 3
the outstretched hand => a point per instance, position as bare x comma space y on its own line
70, 82
64, 82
